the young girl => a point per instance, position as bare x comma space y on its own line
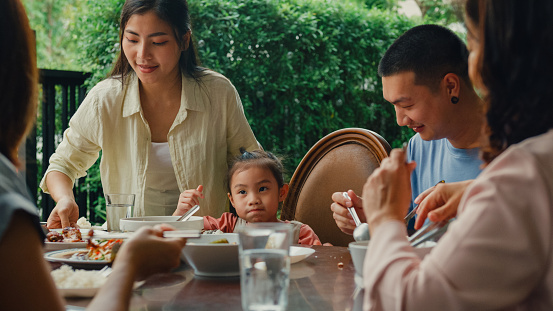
255, 189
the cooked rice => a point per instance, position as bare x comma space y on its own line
65, 277
83, 223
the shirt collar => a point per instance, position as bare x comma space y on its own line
191, 97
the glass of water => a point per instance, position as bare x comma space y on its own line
118, 206
265, 265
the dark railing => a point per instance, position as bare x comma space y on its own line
62, 93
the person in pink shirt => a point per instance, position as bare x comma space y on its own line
255, 188
497, 255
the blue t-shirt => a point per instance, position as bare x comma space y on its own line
438, 160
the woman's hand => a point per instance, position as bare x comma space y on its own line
341, 215
65, 214
148, 252
188, 199
387, 192
440, 202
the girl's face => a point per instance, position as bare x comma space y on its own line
151, 48
255, 194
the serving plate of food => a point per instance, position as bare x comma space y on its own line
96, 254
75, 257
78, 283
59, 239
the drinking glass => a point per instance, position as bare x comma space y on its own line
265, 265
118, 206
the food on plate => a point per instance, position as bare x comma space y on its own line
103, 249
220, 241
68, 234
83, 223
216, 231
66, 277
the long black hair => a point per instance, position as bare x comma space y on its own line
516, 66
177, 15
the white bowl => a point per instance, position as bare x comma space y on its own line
213, 260
358, 250
134, 223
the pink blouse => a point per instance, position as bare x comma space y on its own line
497, 255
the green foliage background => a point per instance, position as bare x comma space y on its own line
303, 68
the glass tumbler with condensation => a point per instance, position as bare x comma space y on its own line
118, 206
265, 265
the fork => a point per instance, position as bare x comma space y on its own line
105, 272
429, 231
414, 210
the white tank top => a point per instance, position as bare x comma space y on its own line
162, 190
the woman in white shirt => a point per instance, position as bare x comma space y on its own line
497, 254
163, 123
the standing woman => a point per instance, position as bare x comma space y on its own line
497, 255
163, 123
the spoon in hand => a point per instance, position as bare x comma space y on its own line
361, 231
189, 214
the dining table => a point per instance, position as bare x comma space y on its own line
325, 280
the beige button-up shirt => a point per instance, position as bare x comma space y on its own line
209, 128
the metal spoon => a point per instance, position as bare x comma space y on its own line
189, 214
361, 231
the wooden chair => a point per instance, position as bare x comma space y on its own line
340, 161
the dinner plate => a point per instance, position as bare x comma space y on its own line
64, 256
55, 246
78, 292
298, 254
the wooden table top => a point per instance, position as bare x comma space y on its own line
319, 282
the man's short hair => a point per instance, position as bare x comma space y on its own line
430, 51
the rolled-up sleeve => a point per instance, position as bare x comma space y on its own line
80, 147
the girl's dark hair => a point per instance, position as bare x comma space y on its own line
177, 15
516, 40
258, 158
18, 77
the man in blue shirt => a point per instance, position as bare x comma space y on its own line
425, 76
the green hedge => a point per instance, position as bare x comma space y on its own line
302, 68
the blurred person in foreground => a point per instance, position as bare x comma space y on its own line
497, 254
26, 281
425, 77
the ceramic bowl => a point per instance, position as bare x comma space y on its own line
213, 260
359, 249
134, 223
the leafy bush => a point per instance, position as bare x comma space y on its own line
302, 68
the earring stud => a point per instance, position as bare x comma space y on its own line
454, 99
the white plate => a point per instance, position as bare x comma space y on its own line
78, 292
298, 254
86, 292
64, 256
134, 223
55, 246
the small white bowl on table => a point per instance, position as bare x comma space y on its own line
213, 260
358, 250
134, 223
